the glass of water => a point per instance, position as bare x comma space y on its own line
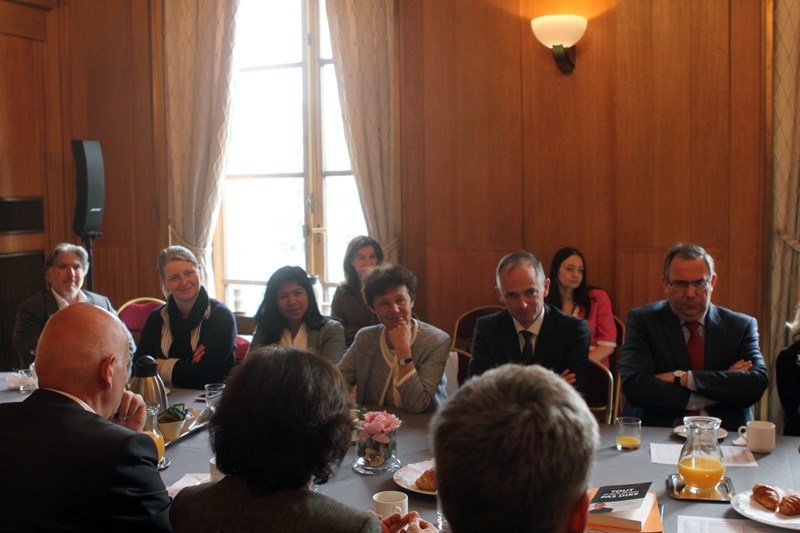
213, 394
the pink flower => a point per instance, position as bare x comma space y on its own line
377, 425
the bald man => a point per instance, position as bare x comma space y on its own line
73, 452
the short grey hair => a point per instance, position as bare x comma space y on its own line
66, 247
174, 253
688, 252
521, 258
514, 451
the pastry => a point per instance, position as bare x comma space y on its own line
790, 505
766, 496
427, 481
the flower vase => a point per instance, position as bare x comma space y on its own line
374, 457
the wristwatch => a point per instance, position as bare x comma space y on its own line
678, 375
404, 362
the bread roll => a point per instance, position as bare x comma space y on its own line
790, 505
427, 481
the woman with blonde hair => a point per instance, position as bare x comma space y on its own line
192, 337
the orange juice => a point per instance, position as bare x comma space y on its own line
625, 442
701, 473
158, 438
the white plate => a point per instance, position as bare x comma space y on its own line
407, 476
681, 432
746, 506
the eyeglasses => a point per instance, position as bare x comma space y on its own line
698, 285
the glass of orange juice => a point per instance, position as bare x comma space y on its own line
629, 433
700, 464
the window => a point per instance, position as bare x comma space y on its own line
290, 196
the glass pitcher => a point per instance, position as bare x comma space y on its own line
700, 463
151, 428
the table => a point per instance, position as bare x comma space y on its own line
780, 468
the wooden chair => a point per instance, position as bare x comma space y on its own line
614, 360
464, 357
465, 325
134, 313
600, 395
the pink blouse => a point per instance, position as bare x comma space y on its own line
601, 321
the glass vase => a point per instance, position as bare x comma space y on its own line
374, 457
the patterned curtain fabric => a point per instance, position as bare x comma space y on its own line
198, 50
785, 293
363, 39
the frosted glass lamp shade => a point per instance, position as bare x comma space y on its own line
564, 30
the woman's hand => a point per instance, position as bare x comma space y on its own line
400, 339
198, 354
568, 377
396, 524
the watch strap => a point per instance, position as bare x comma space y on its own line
404, 362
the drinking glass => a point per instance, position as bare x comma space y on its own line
629, 433
444, 525
213, 394
27, 382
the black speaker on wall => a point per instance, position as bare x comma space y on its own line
90, 184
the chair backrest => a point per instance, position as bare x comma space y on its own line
134, 313
614, 360
464, 357
242, 345
600, 394
465, 325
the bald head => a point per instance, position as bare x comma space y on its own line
73, 346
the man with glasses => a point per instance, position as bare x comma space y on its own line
685, 356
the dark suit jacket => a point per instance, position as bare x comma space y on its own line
562, 343
654, 344
787, 378
33, 314
71, 470
228, 505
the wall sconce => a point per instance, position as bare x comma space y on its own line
560, 32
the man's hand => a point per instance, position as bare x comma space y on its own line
198, 354
131, 412
397, 524
568, 377
741, 365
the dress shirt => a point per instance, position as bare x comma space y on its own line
62, 303
533, 328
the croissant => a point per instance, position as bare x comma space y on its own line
427, 481
790, 505
766, 496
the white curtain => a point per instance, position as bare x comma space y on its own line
198, 55
785, 293
363, 39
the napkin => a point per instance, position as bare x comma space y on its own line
12, 380
188, 480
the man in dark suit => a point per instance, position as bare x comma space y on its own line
75, 455
685, 356
64, 270
529, 331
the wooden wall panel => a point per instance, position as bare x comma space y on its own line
460, 279
657, 136
472, 122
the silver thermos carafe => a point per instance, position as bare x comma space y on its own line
148, 384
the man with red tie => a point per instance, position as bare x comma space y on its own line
685, 356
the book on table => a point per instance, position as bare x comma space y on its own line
644, 517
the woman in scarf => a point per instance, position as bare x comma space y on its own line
192, 337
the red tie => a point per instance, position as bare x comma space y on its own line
695, 347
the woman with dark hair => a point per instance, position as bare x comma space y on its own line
573, 296
192, 337
348, 303
787, 378
282, 424
289, 316
401, 361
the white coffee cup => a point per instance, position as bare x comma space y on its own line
216, 475
760, 436
389, 502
